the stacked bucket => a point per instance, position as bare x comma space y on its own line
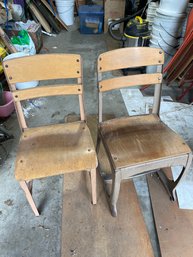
167, 26
151, 13
65, 10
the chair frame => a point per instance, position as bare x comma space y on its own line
125, 58
43, 67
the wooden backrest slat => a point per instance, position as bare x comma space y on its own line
130, 57
44, 91
129, 81
43, 67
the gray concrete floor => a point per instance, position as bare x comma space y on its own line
21, 233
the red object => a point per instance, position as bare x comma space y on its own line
189, 24
181, 65
187, 40
8, 107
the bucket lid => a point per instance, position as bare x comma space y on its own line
15, 55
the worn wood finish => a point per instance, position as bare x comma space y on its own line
140, 139
43, 67
45, 91
53, 150
91, 232
129, 81
130, 57
174, 226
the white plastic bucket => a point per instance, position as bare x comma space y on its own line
172, 25
167, 56
162, 32
23, 85
173, 6
159, 42
159, 35
169, 50
168, 42
169, 13
65, 10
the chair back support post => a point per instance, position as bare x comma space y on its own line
20, 115
81, 101
157, 93
100, 102
100, 107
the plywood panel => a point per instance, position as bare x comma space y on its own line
174, 226
129, 81
43, 67
91, 231
44, 91
129, 57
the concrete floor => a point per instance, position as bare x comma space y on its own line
21, 233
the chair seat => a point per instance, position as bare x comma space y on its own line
53, 150
139, 139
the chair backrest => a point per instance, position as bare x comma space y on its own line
44, 67
130, 57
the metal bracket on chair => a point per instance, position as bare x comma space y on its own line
168, 184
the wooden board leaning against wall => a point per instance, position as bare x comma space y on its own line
113, 9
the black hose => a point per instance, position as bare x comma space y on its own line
121, 37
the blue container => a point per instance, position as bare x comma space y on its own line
91, 19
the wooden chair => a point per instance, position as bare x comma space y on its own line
53, 149
140, 144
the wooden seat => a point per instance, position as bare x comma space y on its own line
51, 146
50, 149
138, 144
141, 139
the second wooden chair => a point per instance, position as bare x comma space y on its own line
140, 144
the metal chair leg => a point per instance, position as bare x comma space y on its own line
115, 193
171, 185
182, 174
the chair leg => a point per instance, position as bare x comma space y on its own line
182, 174
93, 186
98, 143
25, 188
171, 185
115, 193
30, 185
